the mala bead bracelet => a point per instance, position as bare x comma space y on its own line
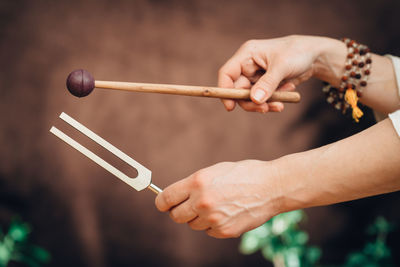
354, 79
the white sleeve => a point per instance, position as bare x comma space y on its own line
396, 68
395, 118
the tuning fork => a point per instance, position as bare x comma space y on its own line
143, 179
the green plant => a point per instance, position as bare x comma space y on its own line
14, 246
282, 242
375, 253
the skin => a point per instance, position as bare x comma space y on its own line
230, 198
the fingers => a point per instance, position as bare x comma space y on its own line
222, 233
229, 104
276, 106
249, 67
287, 86
241, 82
229, 73
262, 108
230, 76
269, 106
198, 224
252, 107
266, 85
173, 195
226, 77
183, 213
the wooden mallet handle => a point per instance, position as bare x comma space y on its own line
81, 83
217, 92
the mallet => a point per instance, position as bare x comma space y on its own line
81, 83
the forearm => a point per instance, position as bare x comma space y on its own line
381, 93
362, 165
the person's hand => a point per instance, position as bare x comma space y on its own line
226, 199
278, 64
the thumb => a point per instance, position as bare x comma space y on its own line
265, 86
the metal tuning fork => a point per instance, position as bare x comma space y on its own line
143, 179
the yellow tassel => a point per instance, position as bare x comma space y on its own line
352, 98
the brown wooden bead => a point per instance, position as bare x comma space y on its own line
363, 83
355, 62
348, 67
344, 78
356, 50
361, 64
367, 72
358, 76
350, 55
368, 61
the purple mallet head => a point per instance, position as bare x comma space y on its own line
80, 83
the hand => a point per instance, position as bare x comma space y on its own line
277, 64
225, 200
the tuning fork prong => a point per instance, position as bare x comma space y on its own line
143, 179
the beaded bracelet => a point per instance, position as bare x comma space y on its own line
355, 77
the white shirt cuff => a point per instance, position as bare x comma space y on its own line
396, 67
395, 118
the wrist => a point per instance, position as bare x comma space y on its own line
330, 60
278, 185
292, 192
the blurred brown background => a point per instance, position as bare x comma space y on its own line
86, 217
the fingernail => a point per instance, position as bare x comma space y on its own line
259, 95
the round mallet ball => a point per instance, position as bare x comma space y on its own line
80, 83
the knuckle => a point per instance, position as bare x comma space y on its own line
221, 71
250, 44
204, 203
194, 226
213, 219
198, 179
268, 83
168, 199
174, 216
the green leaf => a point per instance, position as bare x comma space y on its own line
249, 244
292, 257
268, 253
5, 255
313, 254
19, 231
381, 225
40, 254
